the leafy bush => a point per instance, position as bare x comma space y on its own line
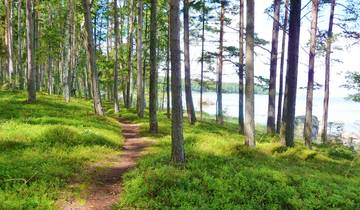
340, 152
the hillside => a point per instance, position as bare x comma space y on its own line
221, 173
46, 145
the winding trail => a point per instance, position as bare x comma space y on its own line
106, 180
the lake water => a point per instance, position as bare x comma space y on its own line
340, 109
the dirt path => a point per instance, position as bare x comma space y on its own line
105, 189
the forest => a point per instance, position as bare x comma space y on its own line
193, 104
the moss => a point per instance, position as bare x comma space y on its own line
45, 144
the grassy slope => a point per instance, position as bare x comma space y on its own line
44, 145
221, 173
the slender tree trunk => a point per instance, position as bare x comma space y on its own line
287, 127
327, 74
108, 32
36, 47
92, 59
273, 68
20, 67
281, 76
153, 69
130, 42
188, 95
219, 111
177, 149
145, 55
249, 86
168, 72
140, 89
50, 76
31, 88
116, 66
67, 52
73, 51
241, 67
202, 59
121, 63
9, 38
309, 97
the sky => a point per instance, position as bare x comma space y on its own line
263, 27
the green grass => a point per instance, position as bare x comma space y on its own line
47, 146
220, 173
43, 146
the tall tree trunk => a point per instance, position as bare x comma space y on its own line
177, 138
309, 97
273, 68
73, 52
130, 42
20, 67
67, 52
327, 74
202, 58
146, 36
140, 89
31, 88
9, 38
153, 69
168, 72
188, 95
36, 46
281, 76
249, 86
219, 111
108, 31
116, 66
92, 59
241, 67
50, 76
287, 126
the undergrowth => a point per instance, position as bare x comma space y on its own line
47, 144
221, 173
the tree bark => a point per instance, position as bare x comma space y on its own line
177, 151
168, 72
241, 67
327, 74
31, 88
188, 94
130, 42
202, 59
287, 126
219, 111
92, 59
249, 86
50, 76
67, 52
309, 97
153, 69
36, 46
9, 38
140, 89
273, 68
281, 76
116, 66
20, 67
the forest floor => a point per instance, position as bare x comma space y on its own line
54, 152
106, 177
49, 144
221, 173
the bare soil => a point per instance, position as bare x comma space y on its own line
106, 179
